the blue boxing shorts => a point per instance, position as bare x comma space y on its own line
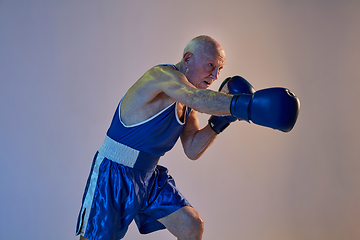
126, 185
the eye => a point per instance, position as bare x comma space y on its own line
210, 65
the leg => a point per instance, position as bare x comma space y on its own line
185, 224
83, 238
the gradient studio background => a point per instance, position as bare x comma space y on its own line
64, 66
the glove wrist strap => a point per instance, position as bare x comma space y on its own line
239, 106
218, 124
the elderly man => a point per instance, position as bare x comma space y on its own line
125, 181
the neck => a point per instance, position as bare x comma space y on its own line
181, 67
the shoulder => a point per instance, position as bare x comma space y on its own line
154, 81
162, 78
163, 73
146, 96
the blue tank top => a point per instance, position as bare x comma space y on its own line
156, 135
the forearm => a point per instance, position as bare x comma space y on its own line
201, 100
210, 102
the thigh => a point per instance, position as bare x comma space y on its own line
163, 199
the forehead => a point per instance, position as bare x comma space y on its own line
213, 51
216, 57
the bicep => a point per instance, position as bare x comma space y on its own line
192, 126
194, 139
176, 86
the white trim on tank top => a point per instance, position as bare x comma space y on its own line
149, 119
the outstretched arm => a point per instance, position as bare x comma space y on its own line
175, 85
162, 85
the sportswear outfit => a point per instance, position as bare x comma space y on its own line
126, 183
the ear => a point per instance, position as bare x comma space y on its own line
187, 58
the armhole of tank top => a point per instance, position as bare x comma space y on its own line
185, 114
147, 120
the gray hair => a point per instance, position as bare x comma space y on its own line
201, 44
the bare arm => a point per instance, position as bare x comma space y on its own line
162, 85
174, 84
194, 139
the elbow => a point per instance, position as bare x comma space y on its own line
193, 156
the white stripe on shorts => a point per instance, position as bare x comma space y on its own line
85, 211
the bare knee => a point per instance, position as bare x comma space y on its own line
185, 223
196, 227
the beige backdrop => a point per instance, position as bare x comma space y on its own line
64, 66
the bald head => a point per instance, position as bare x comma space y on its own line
202, 61
204, 45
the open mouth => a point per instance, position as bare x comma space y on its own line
207, 83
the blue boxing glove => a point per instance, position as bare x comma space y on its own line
233, 85
236, 85
276, 108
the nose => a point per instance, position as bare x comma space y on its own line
215, 73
